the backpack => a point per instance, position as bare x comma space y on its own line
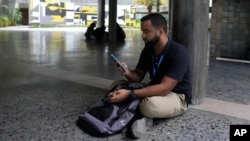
105, 118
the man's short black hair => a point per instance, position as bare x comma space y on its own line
157, 20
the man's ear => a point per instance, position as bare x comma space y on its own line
161, 31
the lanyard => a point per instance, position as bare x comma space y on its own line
159, 62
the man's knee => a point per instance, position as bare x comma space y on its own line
150, 108
156, 107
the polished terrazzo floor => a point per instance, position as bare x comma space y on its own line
48, 78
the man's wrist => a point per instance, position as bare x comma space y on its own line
127, 74
131, 95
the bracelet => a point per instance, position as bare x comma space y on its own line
132, 95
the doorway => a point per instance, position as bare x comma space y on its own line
25, 16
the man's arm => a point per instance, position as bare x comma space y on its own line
166, 86
161, 89
136, 75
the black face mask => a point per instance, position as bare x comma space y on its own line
153, 41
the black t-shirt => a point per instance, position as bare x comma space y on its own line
174, 64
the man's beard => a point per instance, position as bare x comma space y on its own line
153, 41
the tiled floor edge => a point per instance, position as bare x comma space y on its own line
226, 108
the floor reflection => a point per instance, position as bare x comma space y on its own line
67, 50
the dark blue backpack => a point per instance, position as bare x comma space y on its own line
105, 118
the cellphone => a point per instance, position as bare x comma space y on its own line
117, 61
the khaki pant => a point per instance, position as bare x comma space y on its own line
168, 106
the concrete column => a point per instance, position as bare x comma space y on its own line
112, 20
157, 6
101, 13
190, 27
170, 18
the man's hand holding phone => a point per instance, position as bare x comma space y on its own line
120, 66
